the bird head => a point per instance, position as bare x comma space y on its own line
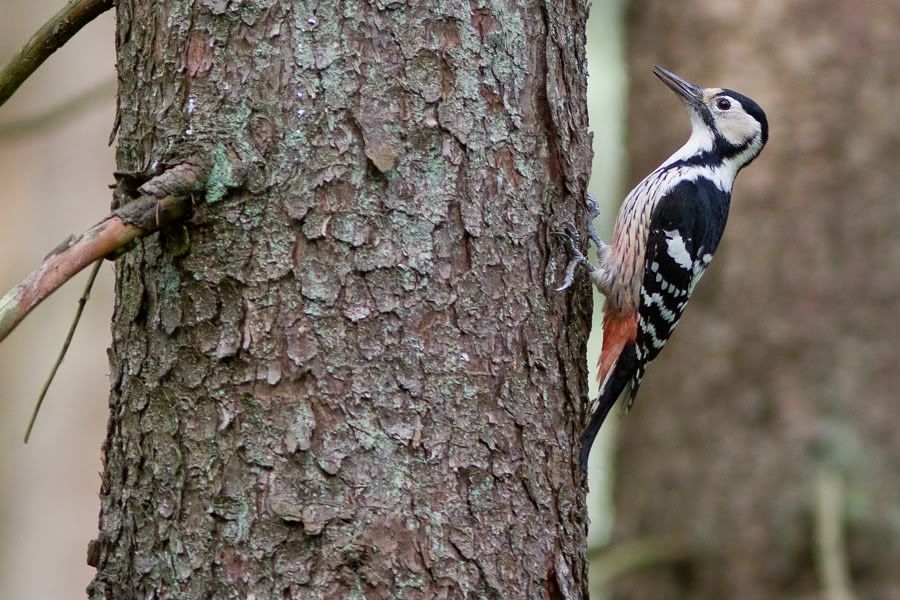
723, 121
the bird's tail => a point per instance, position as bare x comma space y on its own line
618, 363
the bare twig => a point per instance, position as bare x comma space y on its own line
48, 39
607, 563
65, 347
58, 114
830, 552
166, 193
138, 218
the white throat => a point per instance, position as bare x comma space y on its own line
701, 140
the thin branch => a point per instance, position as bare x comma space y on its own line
138, 218
58, 114
65, 347
607, 563
48, 39
830, 552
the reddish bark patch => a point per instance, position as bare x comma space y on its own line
199, 54
551, 586
484, 22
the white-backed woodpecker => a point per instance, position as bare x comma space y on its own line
664, 238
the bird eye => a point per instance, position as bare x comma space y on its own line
723, 104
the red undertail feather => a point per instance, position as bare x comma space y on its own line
619, 329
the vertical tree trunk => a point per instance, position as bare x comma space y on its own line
785, 364
351, 377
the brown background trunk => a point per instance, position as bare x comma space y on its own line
356, 379
786, 362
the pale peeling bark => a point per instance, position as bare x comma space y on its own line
351, 377
785, 364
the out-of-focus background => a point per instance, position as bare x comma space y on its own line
54, 182
762, 459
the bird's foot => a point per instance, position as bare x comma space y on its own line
593, 212
578, 258
598, 275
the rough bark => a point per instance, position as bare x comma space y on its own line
351, 377
786, 361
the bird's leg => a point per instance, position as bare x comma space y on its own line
577, 259
593, 211
599, 275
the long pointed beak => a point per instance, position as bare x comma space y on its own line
689, 92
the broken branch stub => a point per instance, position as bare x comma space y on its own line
137, 219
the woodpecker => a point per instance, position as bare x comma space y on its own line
664, 238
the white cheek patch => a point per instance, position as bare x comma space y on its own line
677, 250
737, 128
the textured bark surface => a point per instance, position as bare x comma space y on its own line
786, 360
351, 378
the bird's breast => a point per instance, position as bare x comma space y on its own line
626, 259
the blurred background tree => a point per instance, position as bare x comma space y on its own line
784, 370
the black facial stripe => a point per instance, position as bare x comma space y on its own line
727, 149
709, 158
707, 116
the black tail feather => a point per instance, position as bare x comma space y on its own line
618, 380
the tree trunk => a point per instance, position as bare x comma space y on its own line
785, 365
351, 377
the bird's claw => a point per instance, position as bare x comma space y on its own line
593, 211
578, 257
570, 275
572, 238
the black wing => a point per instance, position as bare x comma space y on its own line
685, 229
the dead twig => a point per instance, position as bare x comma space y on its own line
65, 347
137, 219
47, 40
164, 197
608, 563
831, 554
